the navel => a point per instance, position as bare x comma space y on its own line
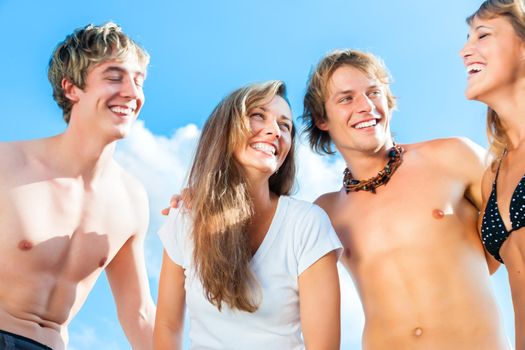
25, 245
418, 332
438, 213
102, 262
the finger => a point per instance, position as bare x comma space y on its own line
175, 199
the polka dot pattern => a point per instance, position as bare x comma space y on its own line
493, 231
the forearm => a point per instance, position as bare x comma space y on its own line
319, 295
138, 327
167, 338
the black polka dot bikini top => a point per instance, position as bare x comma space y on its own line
493, 230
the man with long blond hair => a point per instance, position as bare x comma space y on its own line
406, 215
68, 210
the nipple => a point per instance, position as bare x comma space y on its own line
438, 213
418, 331
25, 245
102, 261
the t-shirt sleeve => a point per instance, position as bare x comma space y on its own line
316, 238
174, 235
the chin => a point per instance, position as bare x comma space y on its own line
471, 95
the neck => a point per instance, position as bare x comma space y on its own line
509, 104
260, 195
367, 163
81, 157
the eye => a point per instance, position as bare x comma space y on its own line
114, 78
346, 99
374, 93
484, 35
257, 116
285, 126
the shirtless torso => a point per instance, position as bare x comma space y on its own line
415, 255
58, 232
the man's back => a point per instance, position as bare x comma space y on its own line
415, 255
58, 233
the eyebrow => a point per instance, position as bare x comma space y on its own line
350, 91
118, 69
344, 92
281, 116
481, 26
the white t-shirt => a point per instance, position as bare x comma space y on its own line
299, 235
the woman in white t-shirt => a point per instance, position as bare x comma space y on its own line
255, 268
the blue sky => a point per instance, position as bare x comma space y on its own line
201, 50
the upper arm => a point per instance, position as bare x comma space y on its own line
471, 161
127, 273
474, 162
169, 321
319, 301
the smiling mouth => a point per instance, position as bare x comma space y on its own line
365, 124
474, 68
265, 148
123, 110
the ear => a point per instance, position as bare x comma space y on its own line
70, 90
322, 125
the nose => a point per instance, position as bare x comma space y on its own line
271, 127
130, 89
364, 104
466, 51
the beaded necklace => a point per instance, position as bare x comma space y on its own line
395, 158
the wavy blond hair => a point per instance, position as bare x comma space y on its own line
83, 49
220, 202
514, 12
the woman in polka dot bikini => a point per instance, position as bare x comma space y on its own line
494, 57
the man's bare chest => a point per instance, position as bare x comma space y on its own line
62, 231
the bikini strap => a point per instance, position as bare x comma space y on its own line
499, 164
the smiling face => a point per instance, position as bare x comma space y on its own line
493, 57
357, 112
112, 97
270, 139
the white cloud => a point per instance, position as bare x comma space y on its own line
161, 164
86, 337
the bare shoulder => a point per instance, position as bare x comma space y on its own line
326, 201
453, 148
136, 196
459, 153
131, 184
13, 159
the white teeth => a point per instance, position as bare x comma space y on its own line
121, 110
474, 68
264, 147
366, 124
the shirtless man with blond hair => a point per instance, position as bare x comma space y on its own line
409, 228
68, 211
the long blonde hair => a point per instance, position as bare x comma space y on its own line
514, 12
220, 201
